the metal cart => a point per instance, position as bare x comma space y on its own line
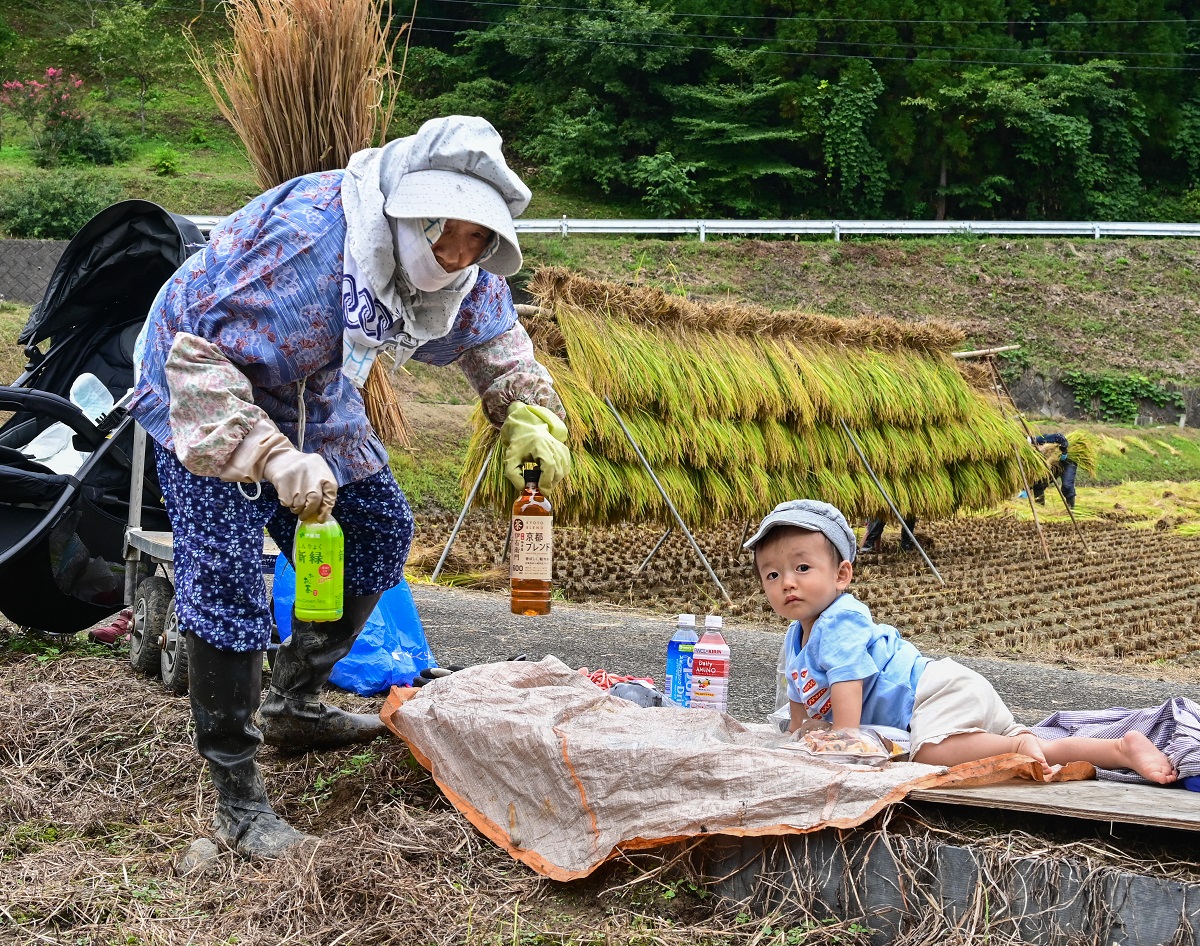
156, 645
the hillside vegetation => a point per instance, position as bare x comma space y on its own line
1125, 309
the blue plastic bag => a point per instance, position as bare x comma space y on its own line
391, 649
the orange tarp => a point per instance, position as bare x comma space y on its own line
564, 776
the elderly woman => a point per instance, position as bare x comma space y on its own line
261, 339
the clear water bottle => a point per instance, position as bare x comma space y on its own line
90, 395
679, 659
710, 668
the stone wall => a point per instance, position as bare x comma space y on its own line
1039, 395
25, 268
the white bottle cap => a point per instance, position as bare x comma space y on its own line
687, 620
714, 620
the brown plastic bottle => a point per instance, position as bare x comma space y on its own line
532, 554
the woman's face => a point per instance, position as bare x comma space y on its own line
460, 244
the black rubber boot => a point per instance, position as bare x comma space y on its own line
224, 688
292, 717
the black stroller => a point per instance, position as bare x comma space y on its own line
62, 534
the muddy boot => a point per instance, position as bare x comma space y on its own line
224, 688
292, 717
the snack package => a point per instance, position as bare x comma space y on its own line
860, 746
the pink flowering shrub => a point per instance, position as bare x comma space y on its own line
50, 110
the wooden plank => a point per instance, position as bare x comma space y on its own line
161, 545
1092, 800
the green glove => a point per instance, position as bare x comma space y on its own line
534, 433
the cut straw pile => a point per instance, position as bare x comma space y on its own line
738, 408
104, 790
305, 84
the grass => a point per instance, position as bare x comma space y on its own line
428, 470
1162, 505
13, 316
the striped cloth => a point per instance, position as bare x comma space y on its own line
1174, 727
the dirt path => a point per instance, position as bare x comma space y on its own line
466, 627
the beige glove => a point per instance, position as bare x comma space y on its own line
304, 481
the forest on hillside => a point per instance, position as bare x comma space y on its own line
926, 109
1066, 109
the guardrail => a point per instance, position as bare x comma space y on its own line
836, 229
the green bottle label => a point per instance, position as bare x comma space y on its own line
320, 573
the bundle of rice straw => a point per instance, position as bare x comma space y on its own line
305, 84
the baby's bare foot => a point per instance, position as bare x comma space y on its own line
1147, 759
1029, 744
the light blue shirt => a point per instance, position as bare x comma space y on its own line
846, 644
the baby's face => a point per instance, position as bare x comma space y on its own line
799, 575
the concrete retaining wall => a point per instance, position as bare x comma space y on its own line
25, 268
903, 886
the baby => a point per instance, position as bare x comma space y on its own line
844, 668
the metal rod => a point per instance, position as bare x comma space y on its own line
137, 477
654, 551
507, 544
888, 499
997, 386
670, 505
742, 541
1053, 479
461, 516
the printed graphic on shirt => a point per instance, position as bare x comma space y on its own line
805, 684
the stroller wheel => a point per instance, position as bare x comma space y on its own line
173, 659
151, 605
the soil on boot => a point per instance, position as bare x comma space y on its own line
299, 726
256, 832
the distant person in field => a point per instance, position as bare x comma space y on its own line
1054, 448
873, 540
844, 668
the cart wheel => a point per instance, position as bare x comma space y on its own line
151, 605
173, 659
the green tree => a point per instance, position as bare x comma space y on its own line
584, 87
1062, 145
126, 45
855, 168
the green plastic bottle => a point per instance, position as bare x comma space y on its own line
320, 572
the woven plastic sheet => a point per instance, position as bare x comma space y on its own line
564, 776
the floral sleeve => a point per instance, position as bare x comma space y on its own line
212, 404
504, 370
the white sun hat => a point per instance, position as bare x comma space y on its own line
456, 171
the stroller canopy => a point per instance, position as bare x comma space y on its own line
92, 285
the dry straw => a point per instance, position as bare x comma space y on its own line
737, 408
305, 84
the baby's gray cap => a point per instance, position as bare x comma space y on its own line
815, 516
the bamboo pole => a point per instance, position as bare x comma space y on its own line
1001, 385
461, 516
983, 352
670, 505
888, 499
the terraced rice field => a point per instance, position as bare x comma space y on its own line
1123, 595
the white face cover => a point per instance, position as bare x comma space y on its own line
413, 240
